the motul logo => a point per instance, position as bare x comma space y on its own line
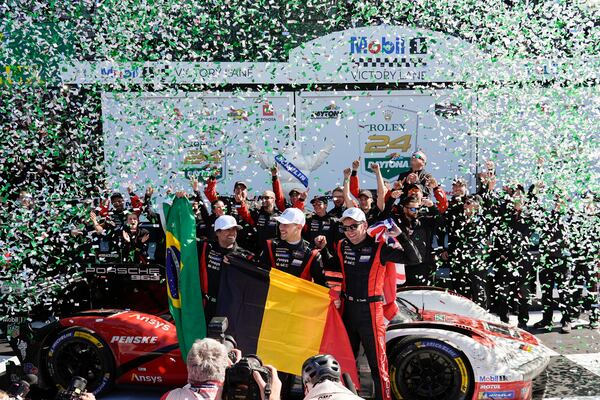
146, 378
134, 339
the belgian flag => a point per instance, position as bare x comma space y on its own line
281, 318
183, 274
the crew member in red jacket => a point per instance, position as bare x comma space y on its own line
368, 268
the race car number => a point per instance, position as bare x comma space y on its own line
382, 143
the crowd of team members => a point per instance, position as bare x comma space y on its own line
487, 246
492, 243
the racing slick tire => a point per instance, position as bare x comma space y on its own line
79, 352
429, 369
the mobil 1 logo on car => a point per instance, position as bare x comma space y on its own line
387, 137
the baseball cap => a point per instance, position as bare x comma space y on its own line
459, 181
291, 216
226, 222
319, 198
365, 192
297, 190
355, 213
414, 186
240, 183
420, 154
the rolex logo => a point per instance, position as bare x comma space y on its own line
387, 115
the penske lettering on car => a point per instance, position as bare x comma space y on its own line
134, 339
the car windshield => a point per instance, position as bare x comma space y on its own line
407, 311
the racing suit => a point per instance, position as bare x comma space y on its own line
280, 200
298, 259
211, 261
327, 225
247, 236
368, 296
261, 220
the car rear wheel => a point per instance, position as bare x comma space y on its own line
429, 369
79, 352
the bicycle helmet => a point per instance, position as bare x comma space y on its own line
319, 367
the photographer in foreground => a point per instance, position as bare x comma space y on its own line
321, 378
207, 362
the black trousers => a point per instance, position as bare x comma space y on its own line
555, 273
511, 288
586, 275
364, 324
472, 284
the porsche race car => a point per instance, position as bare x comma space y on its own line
440, 346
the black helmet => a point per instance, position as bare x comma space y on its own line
318, 367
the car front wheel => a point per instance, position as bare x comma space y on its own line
429, 369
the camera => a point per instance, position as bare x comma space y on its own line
239, 382
74, 391
20, 383
216, 330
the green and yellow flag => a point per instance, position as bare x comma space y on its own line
183, 275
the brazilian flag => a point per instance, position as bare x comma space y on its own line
183, 275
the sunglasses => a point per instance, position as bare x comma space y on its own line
266, 197
411, 209
352, 227
420, 157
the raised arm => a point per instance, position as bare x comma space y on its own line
381, 189
279, 197
347, 199
210, 191
354, 185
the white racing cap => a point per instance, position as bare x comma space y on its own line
291, 216
355, 213
226, 222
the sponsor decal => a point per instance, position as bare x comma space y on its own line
133, 273
463, 374
13, 319
203, 164
389, 168
388, 45
448, 110
388, 58
437, 345
151, 321
526, 348
237, 114
146, 378
134, 339
267, 109
331, 111
439, 317
509, 394
493, 378
89, 337
292, 169
489, 387
121, 73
